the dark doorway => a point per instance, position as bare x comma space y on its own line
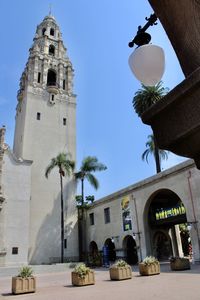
130, 248
111, 249
162, 245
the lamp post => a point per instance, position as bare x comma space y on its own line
147, 62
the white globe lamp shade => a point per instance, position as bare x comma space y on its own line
147, 63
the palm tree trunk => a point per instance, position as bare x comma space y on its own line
157, 157
82, 191
62, 220
81, 221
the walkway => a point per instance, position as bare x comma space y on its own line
182, 285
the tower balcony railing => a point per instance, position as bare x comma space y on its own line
52, 87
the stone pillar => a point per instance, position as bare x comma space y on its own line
70, 80
35, 70
44, 72
172, 234
60, 75
178, 240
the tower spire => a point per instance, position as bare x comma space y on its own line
50, 8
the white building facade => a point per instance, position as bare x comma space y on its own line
143, 219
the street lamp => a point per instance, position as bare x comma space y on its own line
147, 62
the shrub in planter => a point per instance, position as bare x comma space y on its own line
149, 266
24, 282
179, 263
95, 260
120, 271
82, 275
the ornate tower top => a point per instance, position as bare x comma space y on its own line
48, 67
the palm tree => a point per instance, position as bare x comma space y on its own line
144, 98
147, 96
157, 153
89, 165
65, 167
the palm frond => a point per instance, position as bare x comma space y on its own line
92, 180
146, 96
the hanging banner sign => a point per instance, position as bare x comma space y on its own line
165, 213
126, 214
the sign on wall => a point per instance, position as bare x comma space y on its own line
126, 214
165, 213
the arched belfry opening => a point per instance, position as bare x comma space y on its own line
52, 50
51, 78
164, 217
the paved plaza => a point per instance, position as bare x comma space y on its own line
168, 285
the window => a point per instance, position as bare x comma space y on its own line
15, 250
63, 84
65, 243
107, 215
52, 31
51, 78
43, 31
38, 115
64, 121
52, 97
39, 77
91, 216
51, 50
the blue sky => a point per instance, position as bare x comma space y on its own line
96, 34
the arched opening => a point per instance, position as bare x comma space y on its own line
52, 31
163, 218
51, 78
43, 31
51, 50
93, 247
111, 249
94, 255
162, 245
130, 250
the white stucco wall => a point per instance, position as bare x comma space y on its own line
16, 184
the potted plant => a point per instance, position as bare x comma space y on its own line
95, 259
149, 266
24, 282
179, 263
120, 270
82, 275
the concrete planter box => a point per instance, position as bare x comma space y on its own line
152, 269
180, 264
87, 280
23, 285
120, 273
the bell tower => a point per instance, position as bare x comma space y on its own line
45, 126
